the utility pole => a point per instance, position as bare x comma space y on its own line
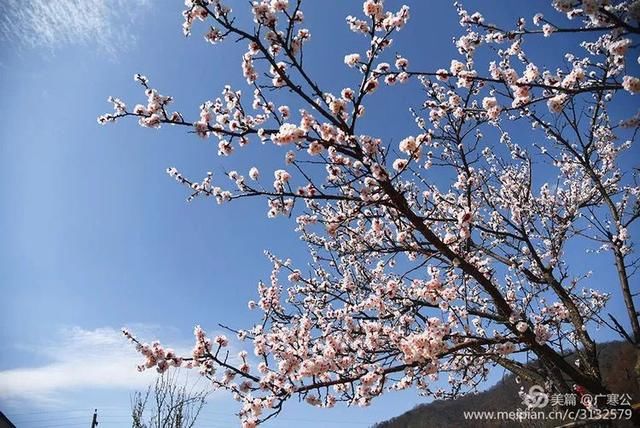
94, 422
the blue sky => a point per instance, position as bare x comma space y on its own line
95, 236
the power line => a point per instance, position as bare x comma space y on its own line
63, 411
115, 414
49, 419
64, 425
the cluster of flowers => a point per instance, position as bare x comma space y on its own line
156, 356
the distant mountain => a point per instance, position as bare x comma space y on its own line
617, 361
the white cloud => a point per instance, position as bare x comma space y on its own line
54, 24
80, 359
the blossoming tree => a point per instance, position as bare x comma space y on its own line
411, 275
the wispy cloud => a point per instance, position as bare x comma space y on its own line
79, 359
105, 24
